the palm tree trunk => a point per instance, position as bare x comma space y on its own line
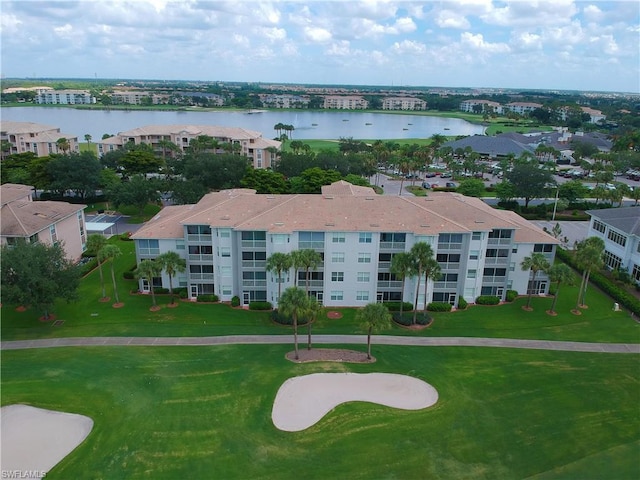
104, 293
533, 281
555, 299
171, 289
402, 298
115, 288
584, 289
415, 304
153, 294
295, 336
309, 334
584, 274
369, 344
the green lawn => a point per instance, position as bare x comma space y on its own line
205, 412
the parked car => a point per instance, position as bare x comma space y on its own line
430, 174
429, 184
445, 175
451, 185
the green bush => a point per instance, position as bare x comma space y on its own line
260, 305
422, 318
161, 290
280, 319
395, 306
235, 301
210, 298
183, 293
128, 275
88, 266
462, 304
488, 300
126, 237
439, 307
511, 295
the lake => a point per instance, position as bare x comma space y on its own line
308, 125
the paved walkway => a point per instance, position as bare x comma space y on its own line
324, 339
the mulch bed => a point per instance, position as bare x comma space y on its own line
21, 308
104, 299
155, 308
329, 355
118, 305
50, 319
333, 315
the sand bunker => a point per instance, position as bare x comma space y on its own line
35, 440
303, 401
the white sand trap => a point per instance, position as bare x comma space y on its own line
35, 440
303, 401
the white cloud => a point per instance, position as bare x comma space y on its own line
526, 41
449, 19
340, 49
274, 34
478, 44
241, 40
317, 35
409, 47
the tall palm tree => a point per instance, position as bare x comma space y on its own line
111, 252
558, 274
279, 262
63, 144
308, 260
535, 263
149, 269
95, 243
589, 254
374, 317
87, 138
423, 264
294, 303
402, 267
172, 263
314, 309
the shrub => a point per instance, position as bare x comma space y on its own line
87, 266
128, 275
395, 306
462, 304
126, 237
488, 300
161, 290
183, 293
235, 301
210, 298
260, 305
281, 319
422, 318
511, 295
439, 307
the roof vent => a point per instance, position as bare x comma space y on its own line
278, 224
368, 198
225, 217
424, 225
329, 197
374, 225
329, 224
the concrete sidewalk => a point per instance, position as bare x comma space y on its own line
324, 339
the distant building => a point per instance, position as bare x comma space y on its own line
521, 108
44, 221
34, 137
227, 237
65, 97
259, 150
619, 228
284, 100
479, 106
345, 102
136, 97
403, 103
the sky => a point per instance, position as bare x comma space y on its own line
556, 44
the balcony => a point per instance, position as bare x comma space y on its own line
194, 237
499, 241
449, 246
496, 260
311, 245
254, 283
389, 284
254, 244
393, 245
449, 265
312, 283
205, 257
254, 264
493, 279
201, 276
445, 285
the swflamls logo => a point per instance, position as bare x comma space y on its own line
23, 473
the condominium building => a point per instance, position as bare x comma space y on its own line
137, 97
403, 103
34, 137
284, 100
42, 221
345, 102
227, 237
65, 97
261, 151
521, 108
619, 228
479, 106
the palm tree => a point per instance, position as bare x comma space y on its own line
87, 138
402, 267
63, 144
149, 269
535, 263
172, 263
314, 309
95, 243
589, 254
374, 317
423, 264
279, 262
308, 260
559, 273
294, 303
111, 252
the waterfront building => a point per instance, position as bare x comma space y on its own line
34, 137
403, 103
227, 237
65, 97
345, 102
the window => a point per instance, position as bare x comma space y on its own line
337, 294
363, 276
617, 238
179, 244
364, 258
497, 233
54, 234
362, 295
337, 257
199, 249
635, 273
225, 251
32, 239
471, 273
338, 237
498, 252
599, 226
474, 254
476, 236
543, 248
224, 232
254, 239
450, 241
279, 238
226, 290
494, 274
310, 240
198, 229
612, 261
393, 238
337, 276
148, 247
225, 271
365, 237
448, 258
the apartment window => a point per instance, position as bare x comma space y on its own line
474, 254
497, 233
448, 258
364, 258
225, 251
543, 248
363, 276
224, 232
226, 290
599, 226
225, 271
311, 240
612, 261
54, 234
279, 238
337, 257
337, 294
197, 249
470, 292
337, 276
365, 237
512, 267
472, 273
497, 252
198, 230
362, 295
338, 237
635, 273
476, 236
617, 238
450, 241
179, 244
148, 247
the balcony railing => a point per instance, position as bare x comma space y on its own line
448, 285
384, 265
499, 241
449, 246
254, 283
254, 264
449, 265
393, 245
254, 243
311, 245
496, 260
205, 257
194, 237
389, 284
486, 279
201, 276
312, 283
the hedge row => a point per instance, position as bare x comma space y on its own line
439, 307
211, 298
462, 304
620, 295
511, 295
487, 300
422, 318
260, 305
277, 317
395, 306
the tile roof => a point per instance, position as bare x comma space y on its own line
625, 219
10, 192
23, 219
